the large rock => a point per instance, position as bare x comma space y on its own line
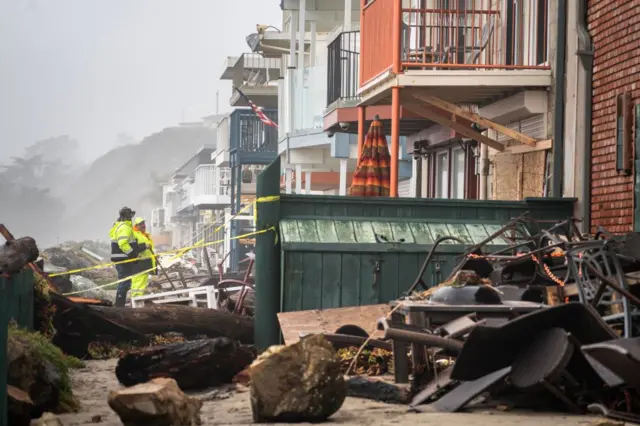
159, 402
38, 368
297, 383
14, 255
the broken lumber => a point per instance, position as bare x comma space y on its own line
188, 321
159, 402
193, 365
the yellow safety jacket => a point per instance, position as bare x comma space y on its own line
123, 242
144, 240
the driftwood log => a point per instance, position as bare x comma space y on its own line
15, 254
190, 322
193, 365
77, 325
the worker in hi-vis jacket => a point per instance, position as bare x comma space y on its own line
147, 262
124, 246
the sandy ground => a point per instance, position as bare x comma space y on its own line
92, 384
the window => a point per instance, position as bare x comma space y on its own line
624, 133
442, 175
449, 171
458, 173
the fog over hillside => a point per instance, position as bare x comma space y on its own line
49, 194
130, 175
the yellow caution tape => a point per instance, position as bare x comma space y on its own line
180, 252
263, 231
267, 199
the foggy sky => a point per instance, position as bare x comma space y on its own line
94, 68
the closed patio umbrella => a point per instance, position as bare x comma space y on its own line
372, 175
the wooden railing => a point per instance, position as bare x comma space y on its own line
485, 35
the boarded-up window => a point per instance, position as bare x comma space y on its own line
624, 133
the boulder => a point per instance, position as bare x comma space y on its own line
297, 383
159, 402
41, 370
15, 254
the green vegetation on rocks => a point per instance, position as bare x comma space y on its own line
40, 368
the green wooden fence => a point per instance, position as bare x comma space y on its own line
326, 255
16, 302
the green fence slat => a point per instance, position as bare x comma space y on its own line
440, 230
327, 231
364, 232
345, 231
421, 233
290, 233
402, 232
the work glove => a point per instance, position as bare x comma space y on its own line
142, 247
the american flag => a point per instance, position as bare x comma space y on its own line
258, 110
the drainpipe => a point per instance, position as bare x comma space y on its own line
558, 118
585, 52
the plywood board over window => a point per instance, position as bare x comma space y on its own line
518, 176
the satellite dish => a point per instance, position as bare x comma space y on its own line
253, 40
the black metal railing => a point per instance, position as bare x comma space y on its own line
342, 67
249, 134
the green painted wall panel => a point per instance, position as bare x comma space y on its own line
408, 267
293, 281
388, 277
347, 279
312, 281
331, 280
351, 278
369, 288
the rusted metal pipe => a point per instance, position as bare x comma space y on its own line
422, 338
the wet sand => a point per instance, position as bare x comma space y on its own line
92, 384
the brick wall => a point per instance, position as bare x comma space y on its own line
615, 29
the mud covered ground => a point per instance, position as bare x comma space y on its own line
92, 384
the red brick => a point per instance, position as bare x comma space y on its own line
615, 29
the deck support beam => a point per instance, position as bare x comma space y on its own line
417, 107
476, 118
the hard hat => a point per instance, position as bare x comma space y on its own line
126, 212
138, 221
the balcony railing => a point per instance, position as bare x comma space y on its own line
249, 134
343, 66
453, 35
212, 185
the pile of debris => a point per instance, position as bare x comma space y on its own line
72, 256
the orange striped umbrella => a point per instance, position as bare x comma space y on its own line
372, 175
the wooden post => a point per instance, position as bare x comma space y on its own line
395, 139
362, 115
267, 276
